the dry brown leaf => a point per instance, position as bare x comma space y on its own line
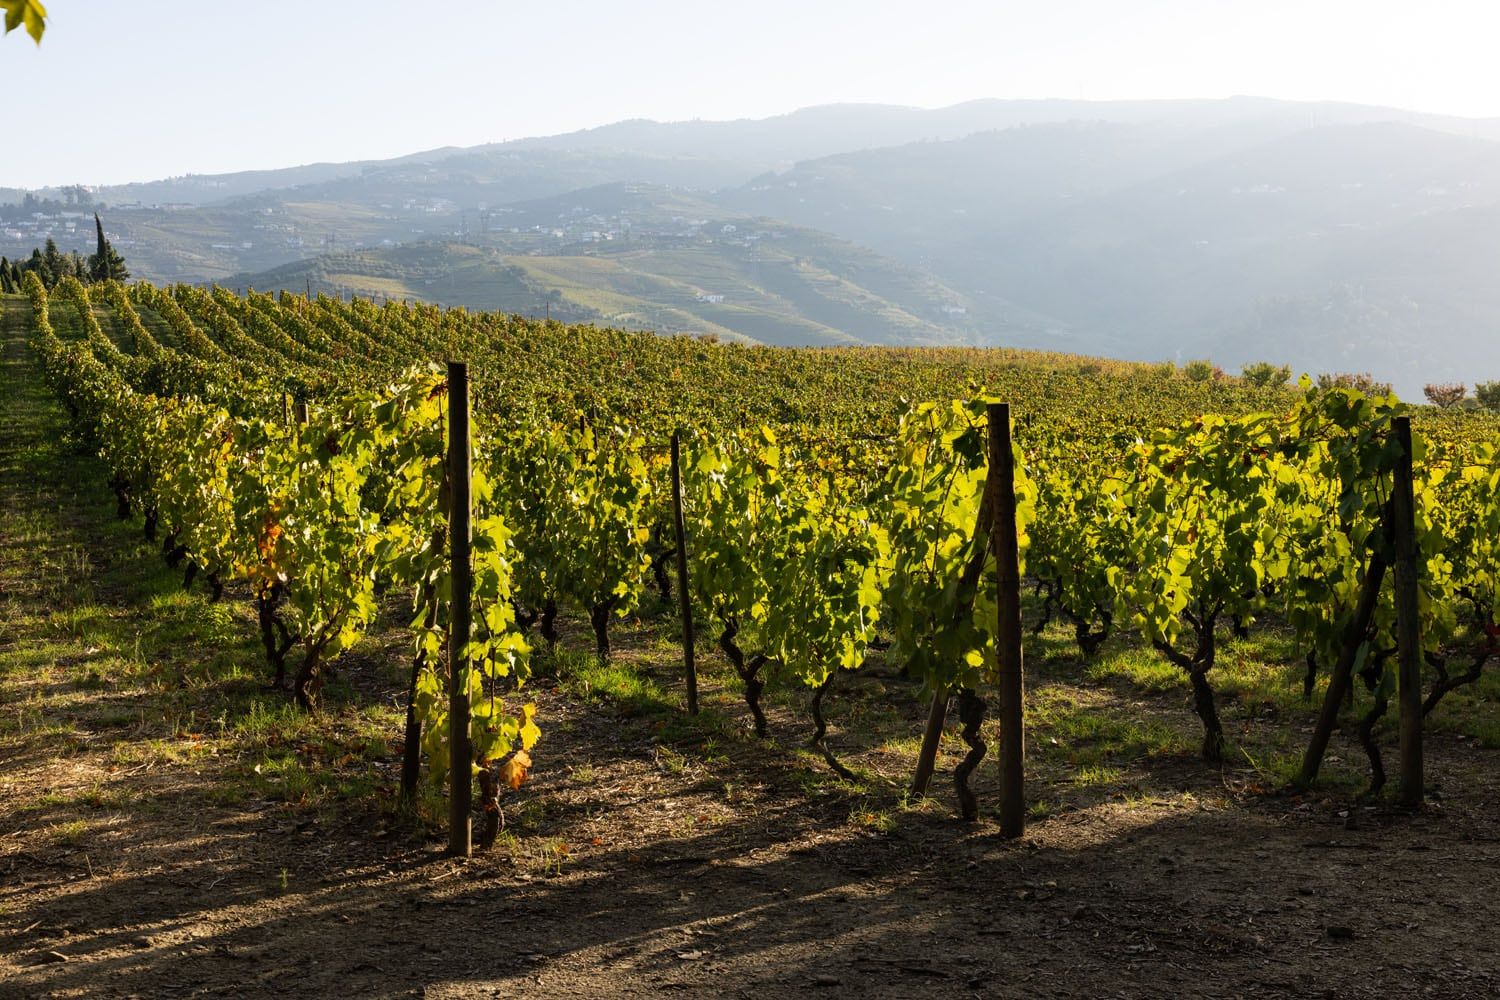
513, 771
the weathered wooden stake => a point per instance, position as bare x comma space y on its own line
684, 597
1004, 543
931, 737
1408, 624
461, 774
299, 410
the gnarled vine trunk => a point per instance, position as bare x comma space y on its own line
549, 622
493, 820
123, 506
1197, 667
310, 673
820, 729
748, 670
1446, 683
599, 616
1203, 704
661, 561
268, 604
525, 617
971, 709
1089, 638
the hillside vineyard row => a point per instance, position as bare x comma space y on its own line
297, 447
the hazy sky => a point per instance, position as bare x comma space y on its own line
140, 89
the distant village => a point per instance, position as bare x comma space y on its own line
249, 238
68, 221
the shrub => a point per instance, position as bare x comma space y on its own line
1362, 381
1267, 375
1202, 371
1444, 395
1488, 394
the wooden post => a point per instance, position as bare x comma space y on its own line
1408, 624
300, 411
1004, 543
286, 409
1338, 681
931, 737
684, 597
460, 762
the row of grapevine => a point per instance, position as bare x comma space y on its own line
807, 544
315, 518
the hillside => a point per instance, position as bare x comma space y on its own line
1158, 243
641, 257
1324, 235
734, 290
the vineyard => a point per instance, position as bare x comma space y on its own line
648, 611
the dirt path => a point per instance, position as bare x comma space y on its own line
143, 854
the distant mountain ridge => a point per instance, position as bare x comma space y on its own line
1327, 235
807, 133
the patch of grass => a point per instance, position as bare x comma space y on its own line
1096, 774
631, 691
538, 855
1087, 728
670, 760
710, 728
901, 746
873, 819
101, 796
284, 779
1144, 668
814, 778
72, 833
528, 817
1040, 809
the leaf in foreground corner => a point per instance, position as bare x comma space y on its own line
29, 13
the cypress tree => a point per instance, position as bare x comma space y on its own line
106, 263
99, 263
54, 265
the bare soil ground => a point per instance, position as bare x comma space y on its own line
168, 828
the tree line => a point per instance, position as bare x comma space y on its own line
52, 265
1443, 395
